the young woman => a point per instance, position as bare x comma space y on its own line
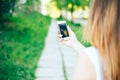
101, 61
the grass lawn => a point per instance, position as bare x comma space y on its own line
21, 42
78, 30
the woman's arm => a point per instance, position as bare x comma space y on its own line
72, 42
78, 47
85, 69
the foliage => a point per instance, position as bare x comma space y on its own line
31, 4
71, 4
21, 42
63, 4
78, 3
5, 7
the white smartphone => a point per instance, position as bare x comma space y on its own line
63, 29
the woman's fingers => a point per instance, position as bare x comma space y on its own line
59, 35
60, 39
58, 32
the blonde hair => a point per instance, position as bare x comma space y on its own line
103, 31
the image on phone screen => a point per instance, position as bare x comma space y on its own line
63, 30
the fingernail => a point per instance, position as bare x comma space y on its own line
60, 39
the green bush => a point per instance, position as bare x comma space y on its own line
21, 42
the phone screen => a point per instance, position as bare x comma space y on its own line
63, 30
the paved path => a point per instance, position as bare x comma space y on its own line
57, 60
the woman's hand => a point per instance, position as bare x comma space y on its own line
72, 42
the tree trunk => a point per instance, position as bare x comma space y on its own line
60, 14
72, 17
72, 10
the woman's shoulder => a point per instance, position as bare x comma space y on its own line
94, 55
89, 65
91, 50
85, 69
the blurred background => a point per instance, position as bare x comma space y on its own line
24, 25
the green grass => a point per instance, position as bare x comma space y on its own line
78, 30
21, 42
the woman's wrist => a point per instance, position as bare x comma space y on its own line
78, 46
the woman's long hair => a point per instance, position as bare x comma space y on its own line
103, 31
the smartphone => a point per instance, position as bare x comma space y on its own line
63, 29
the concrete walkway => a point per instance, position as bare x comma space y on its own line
57, 61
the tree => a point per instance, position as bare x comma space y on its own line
5, 7
63, 4
31, 4
77, 3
